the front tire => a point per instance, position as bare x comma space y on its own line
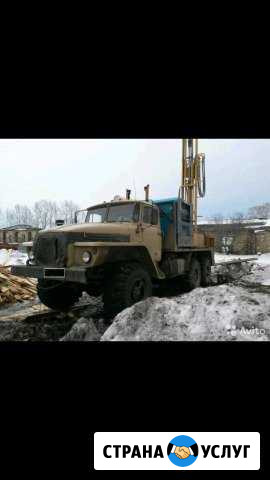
129, 284
57, 295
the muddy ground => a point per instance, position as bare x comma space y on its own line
31, 321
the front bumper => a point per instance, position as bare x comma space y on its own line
71, 274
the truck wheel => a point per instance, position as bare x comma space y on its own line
206, 272
129, 284
194, 275
58, 296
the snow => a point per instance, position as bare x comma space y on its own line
211, 221
220, 257
84, 329
260, 271
12, 257
264, 259
223, 313
250, 223
226, 312
253, 220
258, 227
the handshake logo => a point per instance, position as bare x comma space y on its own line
182, 451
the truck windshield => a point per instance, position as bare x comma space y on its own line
96, 215
108, 213
121, 213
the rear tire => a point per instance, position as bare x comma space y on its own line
206, 272
129, 284
193, 279
57, 295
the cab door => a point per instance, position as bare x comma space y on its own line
151, 231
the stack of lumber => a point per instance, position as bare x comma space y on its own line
15, 289
9, 246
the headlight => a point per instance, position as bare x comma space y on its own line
86, 257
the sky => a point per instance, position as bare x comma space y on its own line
91, 171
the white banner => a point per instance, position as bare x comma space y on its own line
177, 450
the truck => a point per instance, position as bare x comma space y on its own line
121, 248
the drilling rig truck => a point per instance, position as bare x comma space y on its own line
124, 246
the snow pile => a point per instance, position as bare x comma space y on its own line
220, 257
260, 272
212, 221
84, 329
264, 259
229, 272
224, 312
12, 257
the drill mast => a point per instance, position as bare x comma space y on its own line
193, 174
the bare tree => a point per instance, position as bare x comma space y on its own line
10, 217
27, 215
2, 217
43, 214
67, 211
20, 214
238, 217
218, 218
52, 213
260, 211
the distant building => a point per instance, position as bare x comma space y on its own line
17, 234
239, 238
263, 240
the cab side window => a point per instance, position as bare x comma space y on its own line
150, 215
147, 214
136, 215
155, 216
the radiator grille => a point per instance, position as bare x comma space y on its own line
50, 249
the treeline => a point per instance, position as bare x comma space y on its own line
42, 214
258, 211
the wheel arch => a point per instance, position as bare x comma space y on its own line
138, 254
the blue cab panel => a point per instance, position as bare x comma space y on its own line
176, 208
166, 208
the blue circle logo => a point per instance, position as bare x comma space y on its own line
182, 451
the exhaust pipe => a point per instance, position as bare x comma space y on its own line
146, 189
58, 223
